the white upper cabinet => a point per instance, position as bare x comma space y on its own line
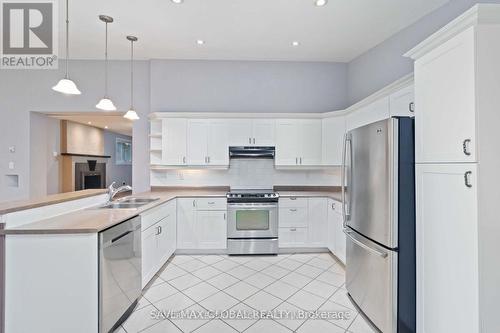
174, 141
252, 132
197, 142
298, 142
207, 142
264, 132
333, 135
402, 102
218, 142
368, 114
445, 115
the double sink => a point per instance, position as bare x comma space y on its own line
128, 203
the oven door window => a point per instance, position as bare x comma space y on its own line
252, 220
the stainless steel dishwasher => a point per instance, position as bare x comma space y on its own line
119, 273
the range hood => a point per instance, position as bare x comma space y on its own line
251, 152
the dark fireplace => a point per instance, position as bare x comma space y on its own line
90, 175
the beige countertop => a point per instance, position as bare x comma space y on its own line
95, 220
14, 206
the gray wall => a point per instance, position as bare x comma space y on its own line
247, 86
45, 136
115, 172
22, 91
385, 63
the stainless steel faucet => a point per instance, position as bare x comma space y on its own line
112, 191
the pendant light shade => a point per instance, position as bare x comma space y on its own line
131, 114
66, 85
105, 103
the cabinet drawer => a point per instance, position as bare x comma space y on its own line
293, 202
293, 217
292, 237
211, 203
152, 216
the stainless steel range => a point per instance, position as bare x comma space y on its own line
252, 225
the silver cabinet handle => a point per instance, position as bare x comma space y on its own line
366, 247
300, 159
293, 198
293, 229
194, 203
211, 202
467, 179
224, 216
466, 147
250, 140
293, 209
208, 159
253, 140
296, 160
184, 160
411, 107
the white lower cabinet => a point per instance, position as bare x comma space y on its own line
211, 229
447, 248
158, 238
303, 222
336, 239
201, 223
318, 222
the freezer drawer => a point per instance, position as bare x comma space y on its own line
371, 280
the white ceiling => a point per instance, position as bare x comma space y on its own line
239, 29
110, 121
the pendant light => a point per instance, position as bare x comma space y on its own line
66, 85
131, 114
105, 103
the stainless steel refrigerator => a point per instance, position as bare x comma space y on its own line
379, 221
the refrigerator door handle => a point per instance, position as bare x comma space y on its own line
345, 213
364, 246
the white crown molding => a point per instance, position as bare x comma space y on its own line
478, 14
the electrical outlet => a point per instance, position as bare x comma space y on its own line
12, 149
11, 165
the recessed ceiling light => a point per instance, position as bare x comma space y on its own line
200, 42
178, 1
295, 43
320, 3
106, 127
90, 123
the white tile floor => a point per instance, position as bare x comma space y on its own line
289, 283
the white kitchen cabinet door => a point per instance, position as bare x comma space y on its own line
174, 141
292, 237
211, 227
447, 248
445, 102
376, 111
333, 130
218, 143
402, 102
240, 132
310, 138
318, 222
264, 132
340, 237
332, 218
164, 245
186, 224
149, 254
288, 142
197, 142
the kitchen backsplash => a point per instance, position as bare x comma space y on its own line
247, 173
